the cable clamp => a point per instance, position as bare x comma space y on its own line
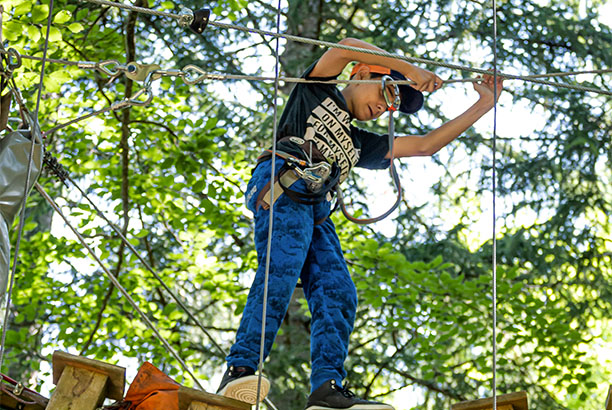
186, 17
200, 20
18, 389
139, 72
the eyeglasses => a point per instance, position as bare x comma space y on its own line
393, 101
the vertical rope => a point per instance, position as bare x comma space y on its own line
271, 217
34, 127
494, 190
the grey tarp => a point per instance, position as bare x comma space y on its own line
14, 157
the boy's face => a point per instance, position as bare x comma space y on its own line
367, 101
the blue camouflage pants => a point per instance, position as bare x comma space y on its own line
300, 249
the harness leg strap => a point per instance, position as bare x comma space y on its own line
287, 178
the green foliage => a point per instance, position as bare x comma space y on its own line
171, 176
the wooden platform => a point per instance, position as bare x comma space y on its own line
609, 399
192, 399
512, 401
83, 384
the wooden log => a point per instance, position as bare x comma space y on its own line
83, 384
512, 401
192, 399
609, 399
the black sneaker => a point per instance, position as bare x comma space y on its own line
240, 383
331, 396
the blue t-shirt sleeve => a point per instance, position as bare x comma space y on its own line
374, 147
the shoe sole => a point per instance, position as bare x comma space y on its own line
245, 389
355, 407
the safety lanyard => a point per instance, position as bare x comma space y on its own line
392, 107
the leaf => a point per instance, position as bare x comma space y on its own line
40, 13
62, 17
33, 33
75, 27
55, 35
22, 8
12, 30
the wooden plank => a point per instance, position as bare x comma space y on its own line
609, 399
202, 400
78, 389
511, 401
116, 374
198, 405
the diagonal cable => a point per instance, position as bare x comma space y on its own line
118, 285
34, 126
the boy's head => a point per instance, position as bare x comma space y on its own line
366, 101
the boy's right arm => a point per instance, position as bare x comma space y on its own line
335, 60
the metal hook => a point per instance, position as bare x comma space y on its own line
188, 77
102, 66
395, 104
12, 53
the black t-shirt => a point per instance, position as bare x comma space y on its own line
318, 112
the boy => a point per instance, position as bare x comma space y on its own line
316, 141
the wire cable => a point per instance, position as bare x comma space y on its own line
183, 17
494, 191
35, 132
146, 264
118, 285
271, 212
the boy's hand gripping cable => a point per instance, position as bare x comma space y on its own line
392, 107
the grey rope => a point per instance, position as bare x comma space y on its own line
494, 191
101, 66
182, 17
271, 212
25, 190
78, 119
116, 283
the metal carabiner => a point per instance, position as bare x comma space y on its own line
395, 104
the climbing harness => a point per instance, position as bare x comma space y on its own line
321, 177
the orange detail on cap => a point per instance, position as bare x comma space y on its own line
377, 69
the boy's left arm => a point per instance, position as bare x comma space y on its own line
432, 142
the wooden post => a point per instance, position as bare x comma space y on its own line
83, 384
192, 399
512, 401
609, 399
